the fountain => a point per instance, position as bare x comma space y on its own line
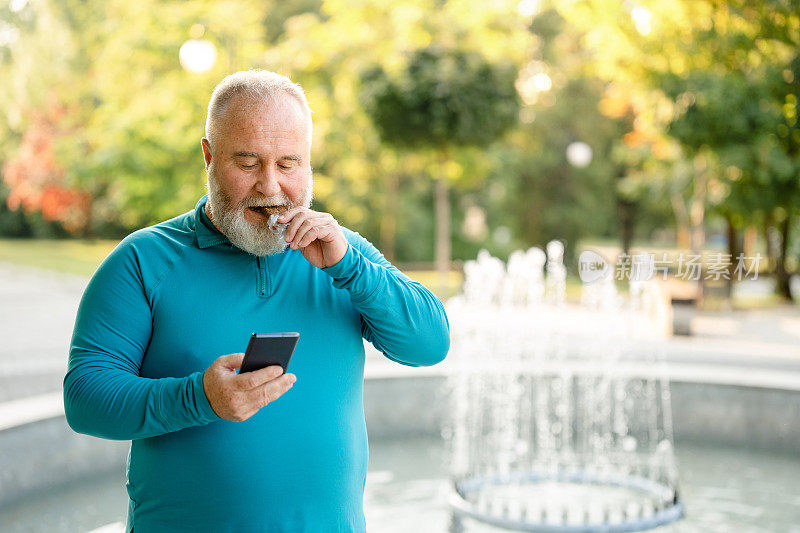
561, 418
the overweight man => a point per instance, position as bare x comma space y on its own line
162, 324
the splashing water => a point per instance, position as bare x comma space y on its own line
561, 413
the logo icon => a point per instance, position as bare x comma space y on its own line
592, 267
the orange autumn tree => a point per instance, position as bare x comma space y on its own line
36, 179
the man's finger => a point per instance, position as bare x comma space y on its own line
308, 236
317, 232
294, 223
272, 390
287, 217
300, 220
317, 227
256, 378
305, 236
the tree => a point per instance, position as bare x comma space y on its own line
127, 140
360, 180
444, 98
36, 179
720, 73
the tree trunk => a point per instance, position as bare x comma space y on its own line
749, 241
626, 210
769, 237
775, 256
683, 237
389, 218
697, 213
88, 229
442, 206
733, 250
781, 275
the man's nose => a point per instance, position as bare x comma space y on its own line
268, 182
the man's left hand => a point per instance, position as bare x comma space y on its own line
317, 235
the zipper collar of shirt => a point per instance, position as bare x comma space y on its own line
206, 233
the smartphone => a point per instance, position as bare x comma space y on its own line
267, 349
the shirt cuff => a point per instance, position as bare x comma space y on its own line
357, 275
205, 412
342, 270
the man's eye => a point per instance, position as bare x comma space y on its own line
285, 167
248, 167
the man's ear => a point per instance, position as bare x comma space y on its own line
206, 151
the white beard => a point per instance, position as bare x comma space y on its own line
255, 239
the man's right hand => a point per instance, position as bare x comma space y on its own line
237, 397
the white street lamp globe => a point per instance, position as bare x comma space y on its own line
528, 8
642, 19
579, 154
198, 55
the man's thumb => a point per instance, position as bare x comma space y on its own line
232, 361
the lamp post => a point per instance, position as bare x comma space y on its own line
198, 55
579, 154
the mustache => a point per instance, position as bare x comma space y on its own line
280, 201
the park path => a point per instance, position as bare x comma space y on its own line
37, 314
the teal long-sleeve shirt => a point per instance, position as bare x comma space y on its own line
173, 297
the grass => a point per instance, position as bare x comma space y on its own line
455, 279
430, 278
63, 255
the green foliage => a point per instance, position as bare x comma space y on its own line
444, 97
130, 136
744, 119
720, 109
13, 223
392, 84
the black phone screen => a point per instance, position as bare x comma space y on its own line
267, 349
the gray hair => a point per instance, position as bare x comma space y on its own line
258, 85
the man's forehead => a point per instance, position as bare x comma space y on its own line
280, 119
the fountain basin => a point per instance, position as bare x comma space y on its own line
402, 403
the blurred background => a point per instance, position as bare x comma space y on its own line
441, 128
663, 125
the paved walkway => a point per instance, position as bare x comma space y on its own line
38, 307
37, 314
